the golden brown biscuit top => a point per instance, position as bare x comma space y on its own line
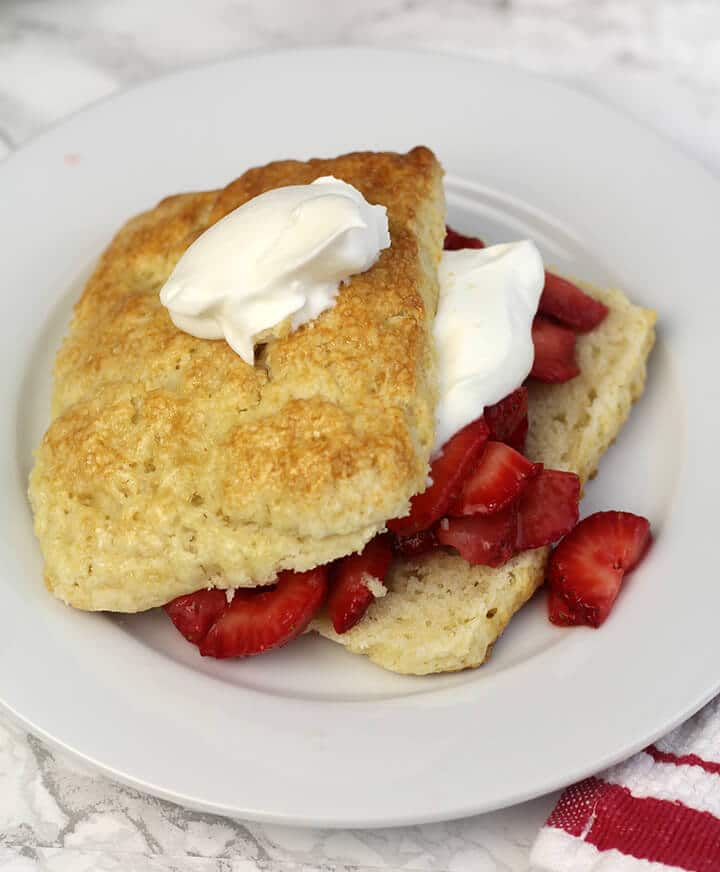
329, 432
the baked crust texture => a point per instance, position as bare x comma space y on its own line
170, 464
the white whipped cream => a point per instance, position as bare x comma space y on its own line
488, 299
282, 255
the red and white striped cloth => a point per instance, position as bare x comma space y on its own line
656, 812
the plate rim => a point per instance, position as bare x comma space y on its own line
359, 48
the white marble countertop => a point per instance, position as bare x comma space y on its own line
658, 60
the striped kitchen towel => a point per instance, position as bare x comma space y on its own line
657, 811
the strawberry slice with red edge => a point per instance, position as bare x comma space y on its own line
560, 612
587, 568
416, 544
548, 508
194, 613
517, 438
554, 352
455, 240
256, 621
448, 472
350, 596
482, 540
499, 478
506, 418
565, 301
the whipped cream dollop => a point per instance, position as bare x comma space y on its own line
488, 299
277, 261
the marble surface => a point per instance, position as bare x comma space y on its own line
658, 60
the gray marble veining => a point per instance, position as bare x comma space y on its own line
659, 60
55, 811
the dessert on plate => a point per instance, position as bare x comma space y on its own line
281, 408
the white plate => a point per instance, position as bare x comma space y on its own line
311, 734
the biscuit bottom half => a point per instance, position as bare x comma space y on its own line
440, 613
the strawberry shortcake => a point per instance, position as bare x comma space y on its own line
301, 403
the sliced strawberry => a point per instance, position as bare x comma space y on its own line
587, 568
447, 472
418, 543
554, 352
565, 301
350, 595
499, 478
506, 418
517, 438
483, 540
256, 621
455, 240
560, 612
194, 613
548, 508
